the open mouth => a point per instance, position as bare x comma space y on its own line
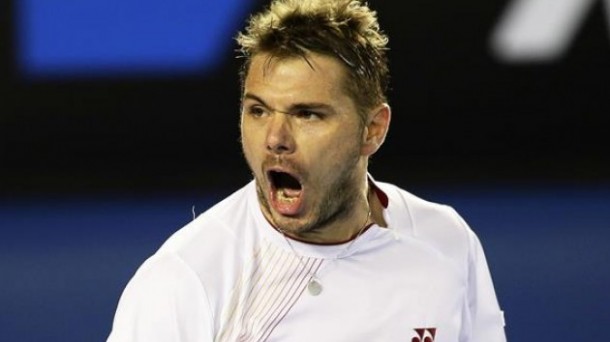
284, 181
286, 192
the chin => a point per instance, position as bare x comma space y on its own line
291, 225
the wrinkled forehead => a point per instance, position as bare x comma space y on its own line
315, 70
264, 62
282, 82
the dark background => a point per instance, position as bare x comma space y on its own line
459, 114
96, 171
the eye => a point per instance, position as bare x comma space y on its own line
308, 114
256, 111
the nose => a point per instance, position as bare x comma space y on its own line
279, 138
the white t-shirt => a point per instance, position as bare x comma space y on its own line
230, 276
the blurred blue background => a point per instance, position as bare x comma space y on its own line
119, 118
97, 38
65, 261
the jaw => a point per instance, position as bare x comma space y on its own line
310, 205
325, 213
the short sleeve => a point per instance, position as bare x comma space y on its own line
484, 319
164, 302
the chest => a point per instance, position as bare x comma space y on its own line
382, 303
364, 298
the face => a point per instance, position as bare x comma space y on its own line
302, 138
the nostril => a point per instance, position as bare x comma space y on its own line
277, 148
279, 133
279, 143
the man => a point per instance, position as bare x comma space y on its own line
313, 249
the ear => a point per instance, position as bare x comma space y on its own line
376, 129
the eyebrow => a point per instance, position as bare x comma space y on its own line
293, 107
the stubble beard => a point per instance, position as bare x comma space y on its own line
337, 202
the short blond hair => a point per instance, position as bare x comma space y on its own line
344, 29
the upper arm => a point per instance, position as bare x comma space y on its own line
164, 301
486, 319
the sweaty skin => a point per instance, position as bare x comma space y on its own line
307, 146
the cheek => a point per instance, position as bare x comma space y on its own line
341, 141
247, 145
251, 136
253, 150
331, 152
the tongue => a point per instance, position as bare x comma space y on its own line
287, 201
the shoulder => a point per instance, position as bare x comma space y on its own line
422, 213
161, 275
217, 227
436, 224
165, 290
215, 244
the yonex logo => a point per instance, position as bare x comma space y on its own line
424, 335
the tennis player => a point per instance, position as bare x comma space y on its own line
314, 248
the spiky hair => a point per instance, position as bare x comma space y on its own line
344, 29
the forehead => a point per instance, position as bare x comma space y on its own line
312, 78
